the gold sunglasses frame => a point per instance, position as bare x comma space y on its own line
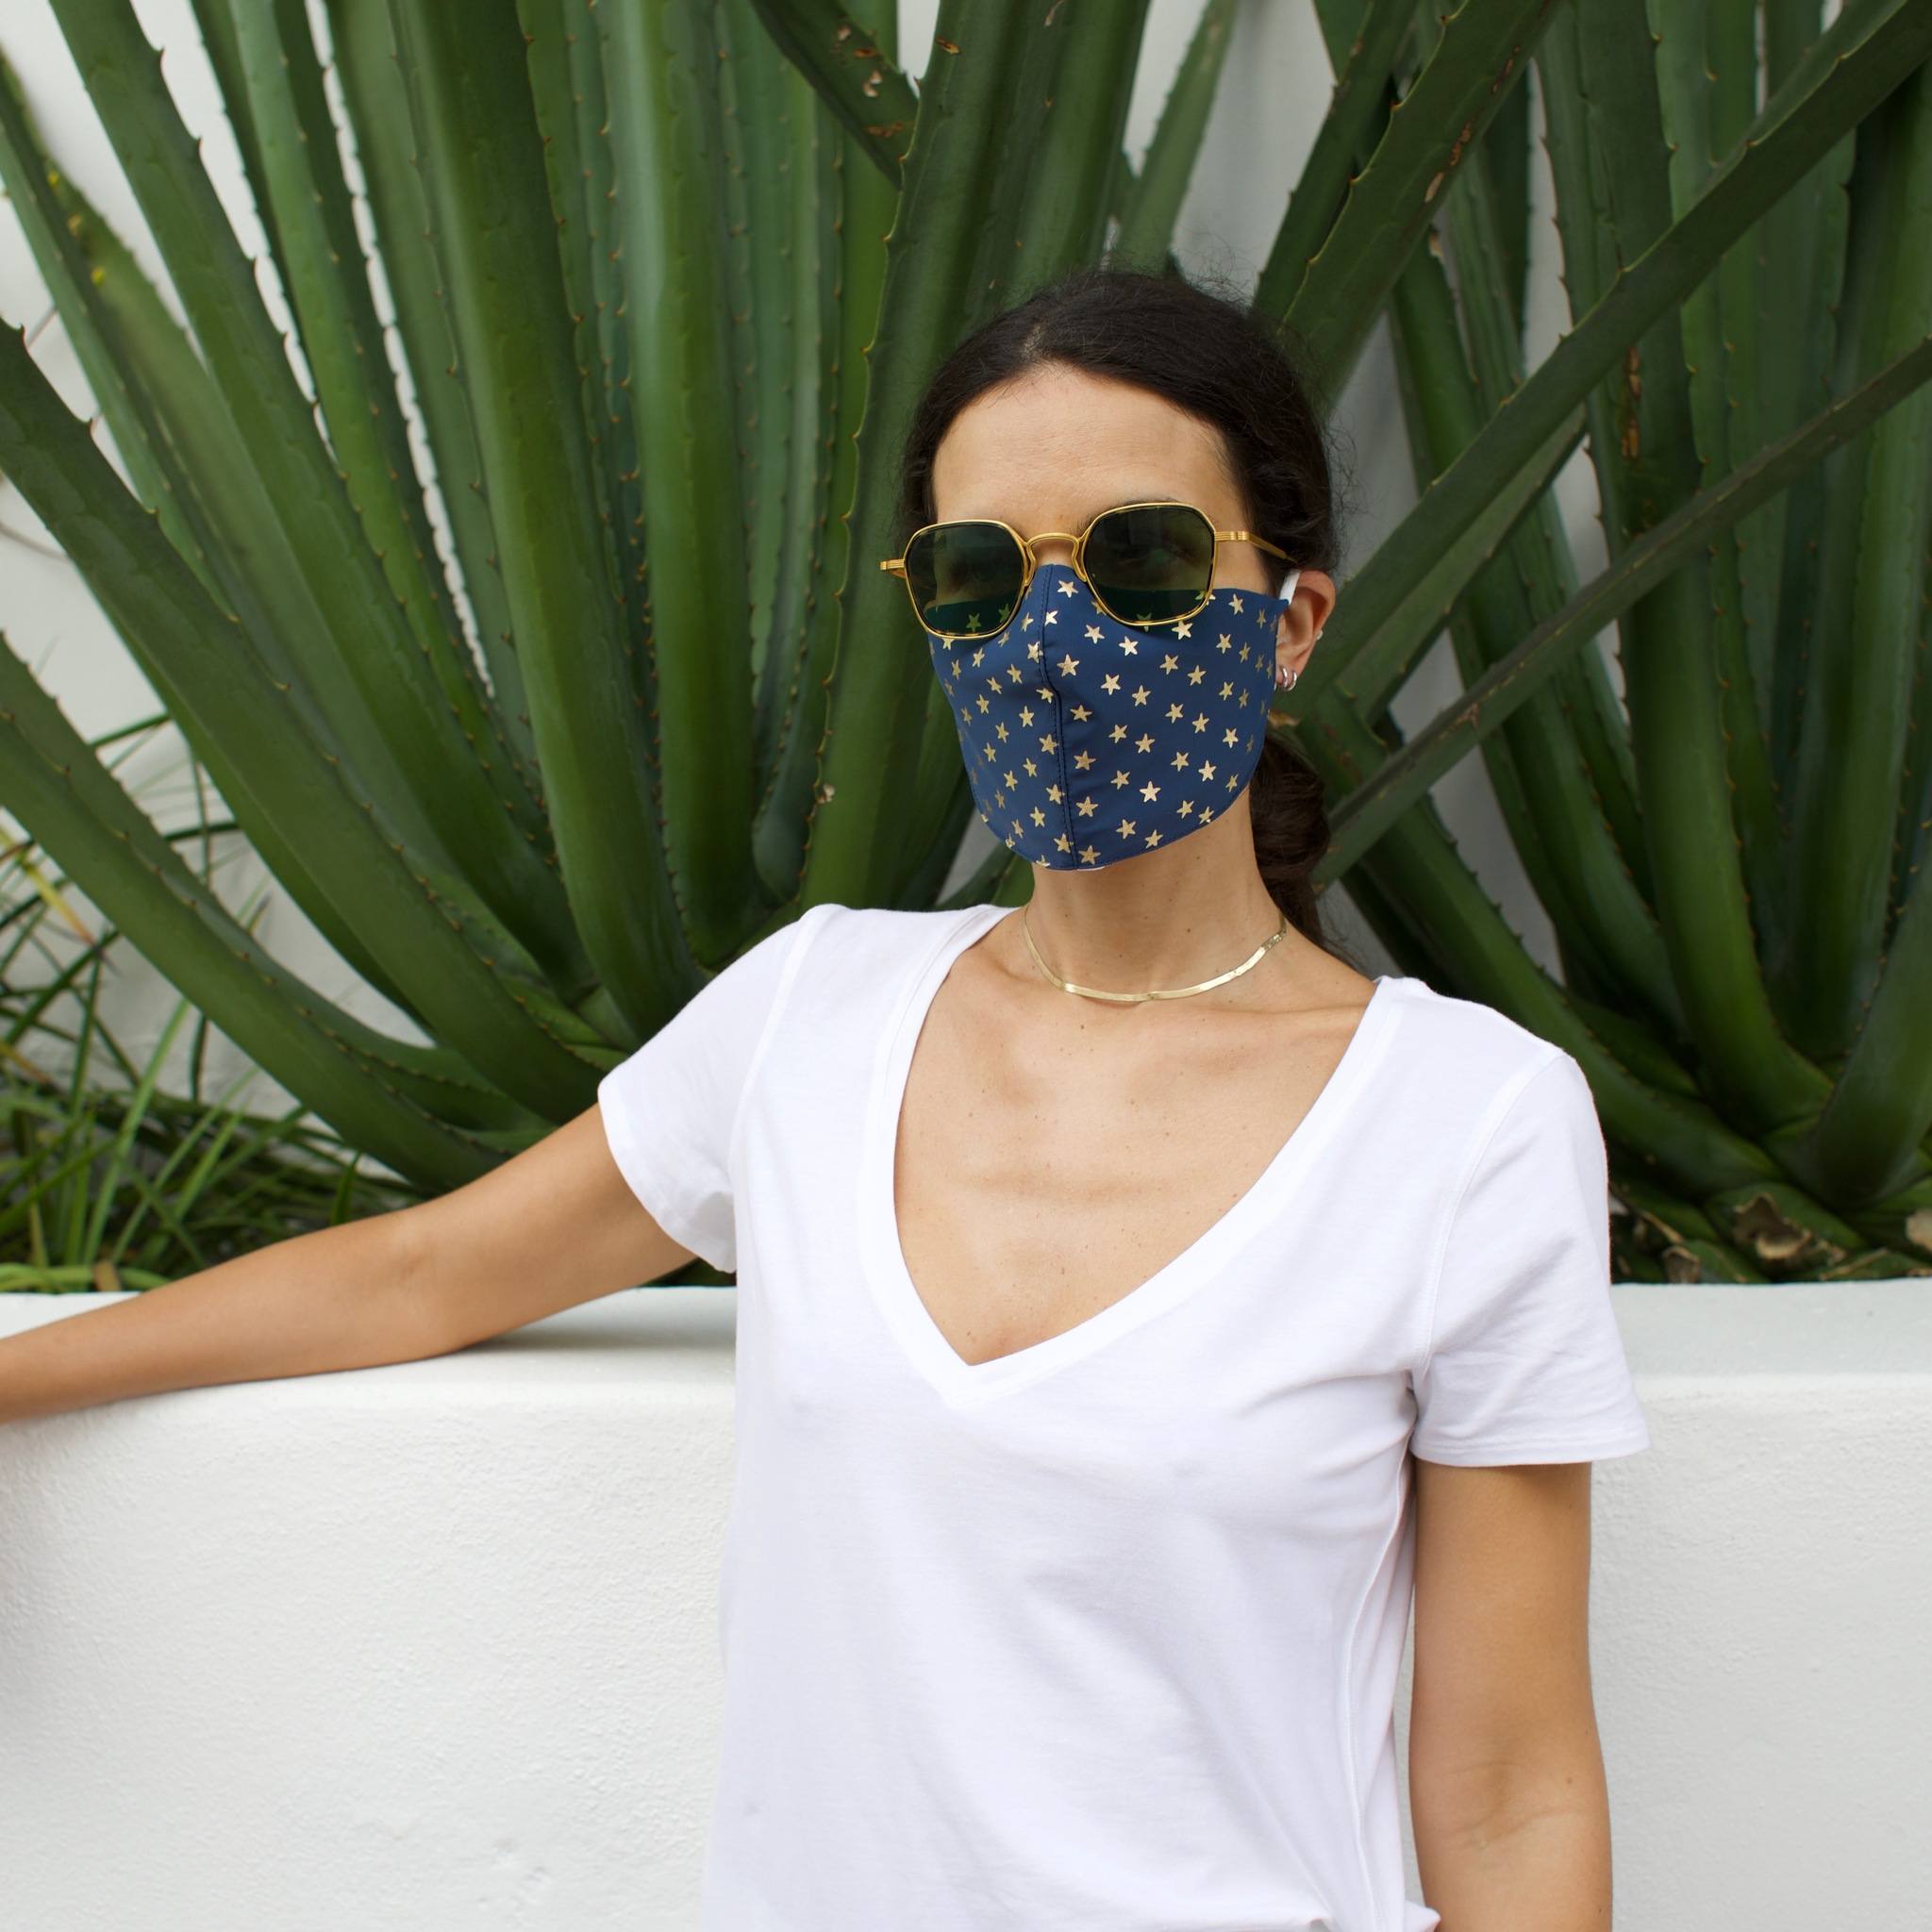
897, 564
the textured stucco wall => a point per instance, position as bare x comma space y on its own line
434, 1646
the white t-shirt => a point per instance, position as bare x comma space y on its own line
1102, 1636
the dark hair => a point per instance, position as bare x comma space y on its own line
1210, 354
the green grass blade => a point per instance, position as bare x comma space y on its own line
478, 997
52, 782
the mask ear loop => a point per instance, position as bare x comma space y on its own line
1287, 682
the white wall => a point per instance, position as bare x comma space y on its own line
1273, 92
435, 1645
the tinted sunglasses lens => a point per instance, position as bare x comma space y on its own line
965, 577
1152, 562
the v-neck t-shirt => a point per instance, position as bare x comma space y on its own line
1104, 1634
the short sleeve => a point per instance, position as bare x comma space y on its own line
670, 1110
1524, 1361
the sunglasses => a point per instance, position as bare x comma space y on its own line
1144, 563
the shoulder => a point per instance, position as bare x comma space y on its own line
881, 928
852, 946
1477, 1057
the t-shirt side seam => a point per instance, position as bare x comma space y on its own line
1501, 1107
1346, 1701
795, 951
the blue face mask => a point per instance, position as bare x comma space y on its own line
1086, 739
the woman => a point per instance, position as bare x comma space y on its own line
1136, 1301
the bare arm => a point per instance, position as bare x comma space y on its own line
1507, 1791
553, 1226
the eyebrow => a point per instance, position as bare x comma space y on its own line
1092, 510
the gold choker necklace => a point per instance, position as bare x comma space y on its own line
1177, 992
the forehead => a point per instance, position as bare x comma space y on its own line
1051, 449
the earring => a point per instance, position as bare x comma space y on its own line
1285, 680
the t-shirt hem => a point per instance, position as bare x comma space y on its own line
1589, 1449
648, 1186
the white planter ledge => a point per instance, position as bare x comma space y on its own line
434, 1646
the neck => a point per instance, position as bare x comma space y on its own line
1160, 918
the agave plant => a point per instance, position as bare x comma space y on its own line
667, 277
111, 1180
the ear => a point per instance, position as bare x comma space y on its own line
1301, 622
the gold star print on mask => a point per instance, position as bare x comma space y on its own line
1031, 794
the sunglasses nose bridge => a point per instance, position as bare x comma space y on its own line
1069, 537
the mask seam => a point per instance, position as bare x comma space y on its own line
1059, 741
